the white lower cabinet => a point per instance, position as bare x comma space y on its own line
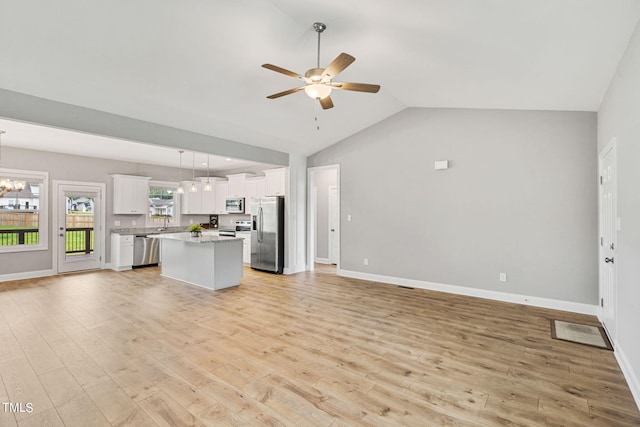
246, 247
121, 251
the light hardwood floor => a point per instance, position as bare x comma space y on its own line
133, 348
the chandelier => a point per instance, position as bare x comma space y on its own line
6, 185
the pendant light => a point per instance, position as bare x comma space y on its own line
180, 187
207, 186
193, 188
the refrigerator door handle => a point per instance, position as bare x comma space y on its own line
261, 226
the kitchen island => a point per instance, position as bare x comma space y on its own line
209, 261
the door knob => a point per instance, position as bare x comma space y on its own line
609, 260
333, 229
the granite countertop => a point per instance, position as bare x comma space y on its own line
187, 237
154, 230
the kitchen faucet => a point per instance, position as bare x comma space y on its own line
165, 223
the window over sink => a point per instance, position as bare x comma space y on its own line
164, 209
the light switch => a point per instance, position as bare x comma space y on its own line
441, 164
348, 217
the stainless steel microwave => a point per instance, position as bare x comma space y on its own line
235, 205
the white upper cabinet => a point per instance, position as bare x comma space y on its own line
208, 197
254, 188
191, 202
275, 182
237, 184
222, 192
130, 194
202, 202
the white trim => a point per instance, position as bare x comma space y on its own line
322, 260
611, 145
628, 372
311, 211
43, 210
574, 307
312, 221
25, 275
295, 269
177, 208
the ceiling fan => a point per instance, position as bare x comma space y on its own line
318, 82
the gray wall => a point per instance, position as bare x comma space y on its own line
520, 197
618, 117
323, 179
84, 169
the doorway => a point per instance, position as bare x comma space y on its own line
608, 238
79, 226
323, 234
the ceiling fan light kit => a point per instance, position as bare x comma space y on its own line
319, 81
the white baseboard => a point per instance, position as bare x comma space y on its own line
574, 307
25, 275
323, 261
629, 373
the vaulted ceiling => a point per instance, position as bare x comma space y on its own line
195, 64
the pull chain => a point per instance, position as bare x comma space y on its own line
317, 120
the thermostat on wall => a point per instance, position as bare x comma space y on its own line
442, 164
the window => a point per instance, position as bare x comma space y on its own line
163, 204
23, 210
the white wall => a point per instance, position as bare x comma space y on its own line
618, 117
520, 197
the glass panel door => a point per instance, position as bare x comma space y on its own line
78, 218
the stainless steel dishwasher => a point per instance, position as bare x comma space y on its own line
146, 251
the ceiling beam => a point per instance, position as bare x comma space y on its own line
41, 111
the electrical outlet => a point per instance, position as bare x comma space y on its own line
366, 261
133, 223
348, 217
190, 221
503, 277
116, 223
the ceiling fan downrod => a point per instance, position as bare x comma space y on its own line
319, 27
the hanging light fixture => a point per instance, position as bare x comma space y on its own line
180, 187
6, 185
193, 188
207, 186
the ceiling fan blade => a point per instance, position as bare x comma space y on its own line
282, 71
326, 102
340, 63
286, 92
358, 87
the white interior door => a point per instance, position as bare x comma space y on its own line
334, 225
78, 229
608, 241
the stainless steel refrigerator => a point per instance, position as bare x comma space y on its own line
267, 234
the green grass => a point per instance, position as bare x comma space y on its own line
32, 238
